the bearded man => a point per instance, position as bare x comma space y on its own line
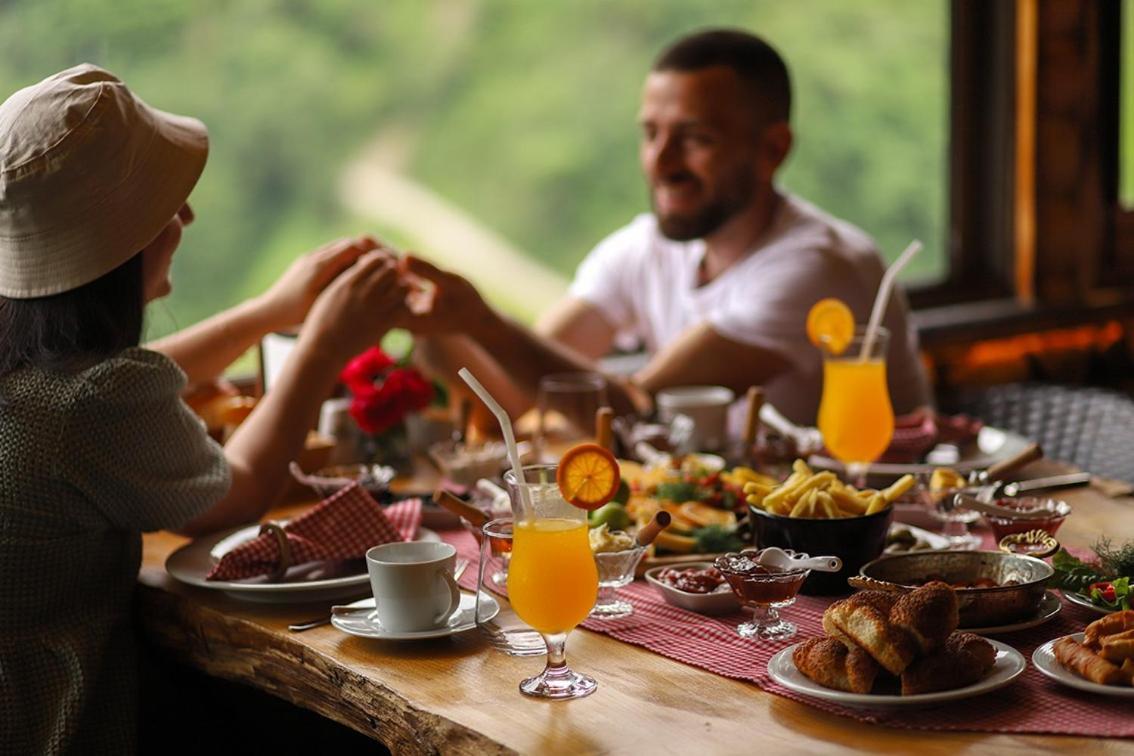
717, 281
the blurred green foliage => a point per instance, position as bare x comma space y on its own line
523, 114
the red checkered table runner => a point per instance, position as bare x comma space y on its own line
1030, 704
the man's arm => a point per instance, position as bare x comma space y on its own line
700, 355
522, 355
578, 325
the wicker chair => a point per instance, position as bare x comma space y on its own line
1090, 427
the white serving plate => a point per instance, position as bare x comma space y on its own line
989, 447
1009, 665
1045, 661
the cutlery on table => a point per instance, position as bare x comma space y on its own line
339, 611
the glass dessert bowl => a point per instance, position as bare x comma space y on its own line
763, 589
616, 555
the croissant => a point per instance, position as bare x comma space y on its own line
963, 659
832, 665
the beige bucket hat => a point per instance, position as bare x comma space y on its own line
89, 175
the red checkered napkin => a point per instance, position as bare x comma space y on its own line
342, 526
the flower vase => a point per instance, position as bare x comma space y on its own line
389, 448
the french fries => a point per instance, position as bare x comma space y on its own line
821, 495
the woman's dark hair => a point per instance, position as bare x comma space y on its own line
65, 332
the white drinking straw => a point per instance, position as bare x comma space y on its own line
883, 297
509, 437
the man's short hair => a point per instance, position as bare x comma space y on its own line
756, 62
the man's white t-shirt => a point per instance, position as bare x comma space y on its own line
645, 285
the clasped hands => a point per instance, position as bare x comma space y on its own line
351, 291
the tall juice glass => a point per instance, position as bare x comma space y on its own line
552, 578
855, 415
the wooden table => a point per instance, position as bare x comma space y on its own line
458, 696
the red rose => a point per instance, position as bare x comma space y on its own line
379, 406
365, 370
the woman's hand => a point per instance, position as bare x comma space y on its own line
286, 303
358, 307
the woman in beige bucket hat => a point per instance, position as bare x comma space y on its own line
96, 445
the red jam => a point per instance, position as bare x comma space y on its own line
1002, 526
692, 580
757, 584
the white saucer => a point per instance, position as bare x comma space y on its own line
1079, 599
1050, 605
1009, 665
366, 624
1045, 661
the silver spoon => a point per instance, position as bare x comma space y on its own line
780, 559
339, 611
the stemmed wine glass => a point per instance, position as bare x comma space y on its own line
855, 414
552, 579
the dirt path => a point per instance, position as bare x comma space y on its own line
373, 186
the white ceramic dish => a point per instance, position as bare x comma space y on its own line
1009, 665
1045, 661
366, 624
192, 562
719, 602
1079, 599
990, 446
1050, 605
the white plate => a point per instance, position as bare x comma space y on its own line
990, 446
1079, 599
1009, 665
366, 625
192, 562
1050, 605
1045, 661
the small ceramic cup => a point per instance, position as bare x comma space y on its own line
413, 584
706, 406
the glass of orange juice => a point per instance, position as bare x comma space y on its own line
552, 578
855, 415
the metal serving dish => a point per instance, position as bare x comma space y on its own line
979, 607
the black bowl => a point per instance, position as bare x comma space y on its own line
855, 540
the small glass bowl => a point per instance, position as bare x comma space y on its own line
615, 570
763, 589
1004, 526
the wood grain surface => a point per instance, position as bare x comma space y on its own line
456, 695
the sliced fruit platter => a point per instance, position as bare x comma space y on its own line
700, 495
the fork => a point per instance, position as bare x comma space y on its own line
299, 627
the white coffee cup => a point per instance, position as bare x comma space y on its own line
706, 406
413, 584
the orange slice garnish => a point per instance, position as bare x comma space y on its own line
588, 476
830, 325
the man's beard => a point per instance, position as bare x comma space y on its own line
709, 218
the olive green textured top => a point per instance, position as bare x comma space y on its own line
88, 461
